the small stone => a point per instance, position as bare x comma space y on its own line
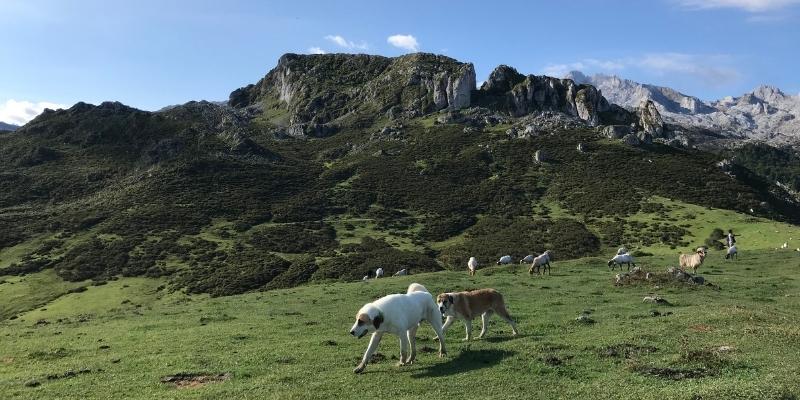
584, 319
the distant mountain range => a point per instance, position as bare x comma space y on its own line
765, 114
7, 127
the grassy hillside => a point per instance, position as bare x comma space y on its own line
120, 339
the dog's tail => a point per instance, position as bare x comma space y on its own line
416, 287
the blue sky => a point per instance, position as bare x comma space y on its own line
153, 53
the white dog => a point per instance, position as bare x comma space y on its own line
400, 314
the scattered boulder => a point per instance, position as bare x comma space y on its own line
540, 156
631, 140
616, 131
645, 138
656, 300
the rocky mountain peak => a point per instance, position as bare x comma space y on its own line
311, 94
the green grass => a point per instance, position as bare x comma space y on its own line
294, 344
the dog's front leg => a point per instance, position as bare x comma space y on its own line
447, 323
468, 326
373, 345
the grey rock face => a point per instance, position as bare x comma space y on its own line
316, 90
631, 140
650, 119
616, 131
525, 95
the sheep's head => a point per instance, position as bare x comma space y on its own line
702, 251
610, 262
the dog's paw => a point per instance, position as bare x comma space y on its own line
442, 354
359, 369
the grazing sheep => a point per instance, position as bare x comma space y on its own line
472, 265
539, 262
528, 259
620, 259
732, 253
622, 250
692, 260
504, 260
365, 278
379, 273
785, 245
402, 272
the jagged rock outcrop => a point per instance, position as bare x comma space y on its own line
521, 95
311, 94
650, 119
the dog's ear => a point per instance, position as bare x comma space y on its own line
450, 299
377, 321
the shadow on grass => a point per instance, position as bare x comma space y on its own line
466, 361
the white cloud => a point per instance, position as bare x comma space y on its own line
747, 5
344, 43
20, 112
316, 50
405, 42
712, 69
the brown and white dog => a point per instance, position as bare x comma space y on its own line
400, 314
468, 305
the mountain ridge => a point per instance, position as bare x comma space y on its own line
764, 114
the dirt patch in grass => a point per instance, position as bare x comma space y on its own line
693, 364
187, 380
49, 355
675, 374
625, 350
701, 328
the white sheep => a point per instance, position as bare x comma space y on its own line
472, 265
379, 273
504, 260
402, 272
785, 245
365, 278
731, 253
622, 250
619, 259
528, 259
539, 262
692, 260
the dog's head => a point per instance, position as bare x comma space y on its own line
445, 302
367, 322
